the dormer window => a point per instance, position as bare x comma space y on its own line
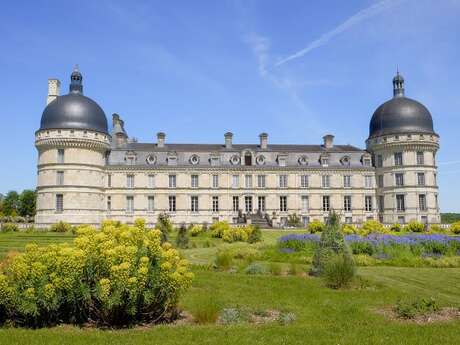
303, 160
345, 161
247, 158
130, 158
235, 160
324, 160
282, 160
172, 158
151, 159
194, 159
260, 160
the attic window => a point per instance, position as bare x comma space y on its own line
303, 160
247, 158
194, 159
151, 159
235, 160
345, 161
260, 160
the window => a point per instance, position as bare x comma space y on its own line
436, 203
424, 219
215, 204
325, 161
421, 179
172, 181
401, 220
59, 202
398, 158
151, 180
368, 203
435, 178
236, 204
304, 202
381, 203
60, 178
129, 204
379, 161
380, 181
248, 204
422, 202
347, 203
235, 181
434, 158
261, 181
305, 221
348, 220
215, 181
151, 203
261, 203
420, 158
194, 181
283, 181
304, 181
109, 203
247, 159
400, 204
368, 181
172, 203
347, 181
326, 203
130, 181
367, 162
248, 181
326, 181
283, 203
399, 179
60, 155
194, 203
109, 180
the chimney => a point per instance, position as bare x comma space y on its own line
118, 131
228, 140
263, 140
54, 87
161, 139
328, 141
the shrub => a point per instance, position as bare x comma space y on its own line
294, 220
331, 243
436, 228
206, 310
410, 308
396, 227
116, 276
364, 260
349, 229
255, 268
9, 227
204, 226
255, 235
61, 227
275, 269
182, 239
164, 225
224, 259
414, 226
370, 226
217, 229
195, 230
315, 226
455, 228
339, 271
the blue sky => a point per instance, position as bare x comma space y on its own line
195, 69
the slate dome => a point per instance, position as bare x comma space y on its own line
74, 110
400, 114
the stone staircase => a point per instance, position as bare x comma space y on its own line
260, 220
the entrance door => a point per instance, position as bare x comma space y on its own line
261, 203
248, 204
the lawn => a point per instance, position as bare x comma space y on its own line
323, 316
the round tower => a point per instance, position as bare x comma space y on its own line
72, 143
404, 145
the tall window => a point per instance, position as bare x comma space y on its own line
326, 203
420, 158
235, 181
379, 161
215, 204
398, 157
151, 203
248, 181
422, 202
172, 181
130, 181
194, 181
60, 155
283, 203
172, 203
381, 203
194, 203
247, 159
435, 178
347, 203
215, 181
236, 204
399, 179
261, 181
368, 181
380, 181
151, 179
60, 178
436, 202
59, 202
129, 204
248, 204
326, 181
109, 180
283, 181
400, 203
421, 179
109, 203
261, 203
304, 181
304, 203
368, 203
347, 181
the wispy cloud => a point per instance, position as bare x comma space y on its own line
346, 25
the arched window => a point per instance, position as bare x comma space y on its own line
247, 158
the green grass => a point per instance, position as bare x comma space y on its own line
323, 316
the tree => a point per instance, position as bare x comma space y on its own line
27, 203
182, 237
10, 204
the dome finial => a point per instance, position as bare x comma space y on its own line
76, 80
398, 84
